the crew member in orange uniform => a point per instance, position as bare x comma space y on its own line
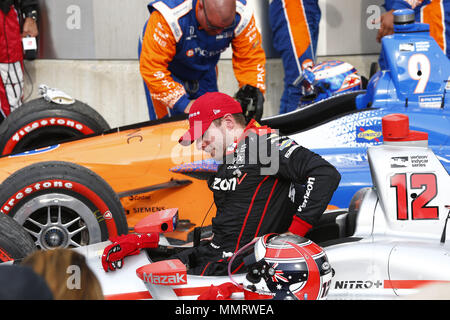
434, 12
295, 31
181, 47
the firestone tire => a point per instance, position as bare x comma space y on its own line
40, 123
15, 242
62, 204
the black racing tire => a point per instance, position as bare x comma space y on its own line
15, 242
40, 123
62, 204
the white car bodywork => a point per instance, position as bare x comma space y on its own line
392, 240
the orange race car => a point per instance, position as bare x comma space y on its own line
99, 186
84, 191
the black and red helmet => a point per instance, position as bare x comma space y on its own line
287, 267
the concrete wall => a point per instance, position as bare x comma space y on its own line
109, 29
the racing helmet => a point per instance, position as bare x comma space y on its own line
287, 267
330, 78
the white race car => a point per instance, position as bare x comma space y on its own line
391, 241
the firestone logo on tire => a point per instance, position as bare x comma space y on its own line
38, 186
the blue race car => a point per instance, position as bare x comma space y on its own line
415, 81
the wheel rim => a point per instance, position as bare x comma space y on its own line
57, 220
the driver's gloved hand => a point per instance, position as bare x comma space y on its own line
252, 102
126, 245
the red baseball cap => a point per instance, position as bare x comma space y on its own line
206, 109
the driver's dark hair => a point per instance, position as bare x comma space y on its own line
239, 118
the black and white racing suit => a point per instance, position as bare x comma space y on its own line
254, 192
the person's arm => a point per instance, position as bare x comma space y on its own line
386, 25
158, 49
249, 65
302, 166
249, 59
387, 19
29, 9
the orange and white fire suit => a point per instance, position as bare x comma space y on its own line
178, 59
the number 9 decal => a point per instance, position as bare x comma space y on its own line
419, 68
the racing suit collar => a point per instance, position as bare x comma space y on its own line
252, 126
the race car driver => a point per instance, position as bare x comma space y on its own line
254, 188
434, 12
11, 51
181, 47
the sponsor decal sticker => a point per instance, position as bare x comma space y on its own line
419, 161
225, 184
107, 215
147, 209
309, 188
358, 284
176, 278
408, 47
431, 101
286, 143
368, 134
422, 46
291, 149
399, 162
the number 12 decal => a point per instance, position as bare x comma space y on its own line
419, 208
